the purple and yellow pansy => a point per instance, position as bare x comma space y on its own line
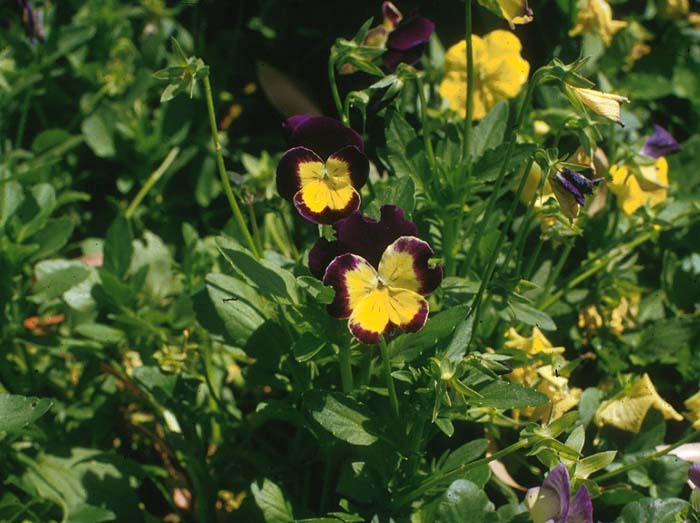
552, 502
375, 301
570, 189
324, 169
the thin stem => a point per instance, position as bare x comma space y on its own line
152, 180
345, 368
501, 175
554, 274
334, 89
389, 379
456, 473
648, 459
254, 226
597, 265
222, 170
427, 144
470, 86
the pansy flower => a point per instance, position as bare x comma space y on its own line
406, 42
649, 188
392, 295
661, 143
361, 235
324, 170
595, 16
570, 189
552, 503
499, 72
513, 11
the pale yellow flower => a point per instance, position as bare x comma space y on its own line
694, 19
499, 72
693, 406
562, 398
513, 11
624, 314
604, 104
536, 344
633, 192
532, 183
675, 8
628, 408
589, 319
541, 127
595, 16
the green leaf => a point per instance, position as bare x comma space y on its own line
54, 277
489, 165
467, 453
396, 191
272, 281
594, 463
18, 411
307, 346
104, 334
528, 315
118, 247
52, 237
405, 150
652, 510
490, 131
506, 395
35, 211
463, 501
237, 305
343, 417
11, 198
270, 498
316, 289
587, 406
460, 341
99, 135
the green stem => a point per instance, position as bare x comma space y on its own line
334, 89
254, 226
456, 473
648, 459
345, 369
389, 379
233, 203
152, 180
424, 123
597, 265
501, 174
552, 277
470, 86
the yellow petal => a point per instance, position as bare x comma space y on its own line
604, 104
595, 16
693, 406
537, 343
627, 409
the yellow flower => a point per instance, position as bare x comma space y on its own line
595, 16
536, 344
693, 406
541, 127
627, 409
514, 11
589, 319
675, 8
604, 104
561, 398
694, 19
532, 184
623, 315
634, 192
499, 72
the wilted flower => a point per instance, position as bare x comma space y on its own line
628, 408
693, 406
361, 235
649, 188
595, 16
604, 104
534, 345
694, 475
377, 300
323, 170
552, 503
661, 143
562, 398
570, 189
499, 72
513, 11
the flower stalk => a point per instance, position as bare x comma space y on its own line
233, 203
393, 399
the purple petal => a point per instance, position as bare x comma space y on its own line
353, 161
322, 254
581, 509
291, 123
557, 481
411, 33
322, 134
288, 177
569, 187
694, 475
336, 277
369, 238
391, 58
392, 16
661, 143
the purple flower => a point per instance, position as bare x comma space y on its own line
323, 170
363, 236
661, 143
552, 503
406, 43
570, 187
694, 475
33, 21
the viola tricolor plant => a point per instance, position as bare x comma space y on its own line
467, 289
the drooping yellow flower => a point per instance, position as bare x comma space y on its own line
562, 398
693, 406
513, 11
536, 344
499, 72
628, 408
604, 104
633, 192
595, 16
